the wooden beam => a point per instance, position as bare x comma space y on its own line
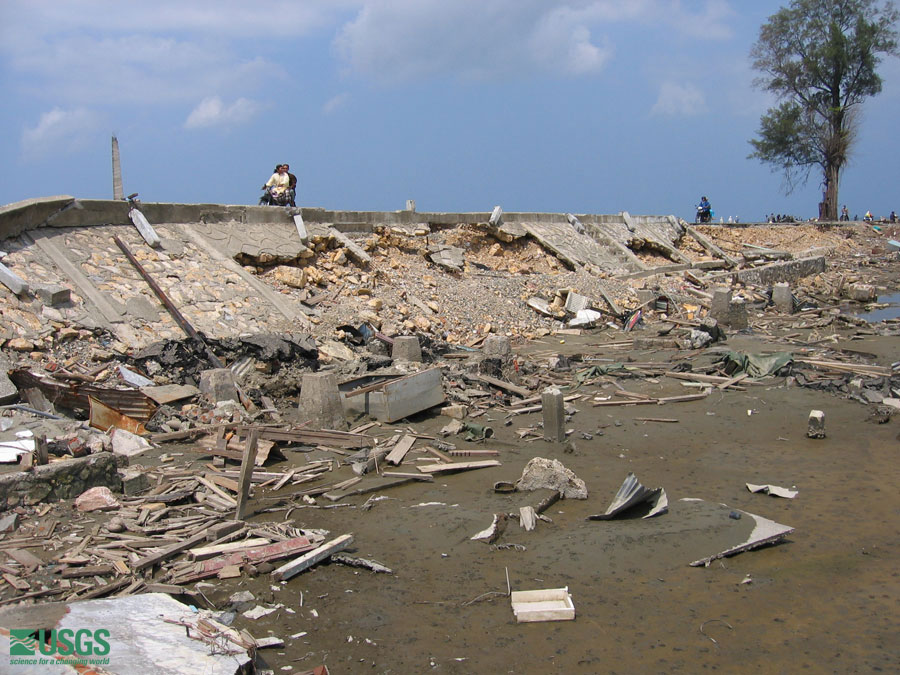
317, 555
246, 473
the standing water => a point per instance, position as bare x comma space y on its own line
890, 311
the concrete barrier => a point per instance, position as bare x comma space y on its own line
60, 480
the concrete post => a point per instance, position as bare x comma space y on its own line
320, 400
118, 191
782, 298
496, 345
554, 415
721, 303
406, 348
816, 427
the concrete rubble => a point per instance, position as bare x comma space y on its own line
319, 365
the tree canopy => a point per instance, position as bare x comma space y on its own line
820, 59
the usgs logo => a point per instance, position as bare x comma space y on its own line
58, 642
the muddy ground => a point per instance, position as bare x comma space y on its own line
824, 600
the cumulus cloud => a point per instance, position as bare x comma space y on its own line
211, 112
679, 99
401, 40
60, 131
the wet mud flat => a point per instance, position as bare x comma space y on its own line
822, 600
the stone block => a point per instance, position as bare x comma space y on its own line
320, 400
53, 295
782, 298
134, 482
98, 498
8, 391
128, 444
406, 348
862, 292
219, 385
59, 480
816, 426
496, 345
737, 315
554, 415
721, 302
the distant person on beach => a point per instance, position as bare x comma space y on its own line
845, 214
868, 217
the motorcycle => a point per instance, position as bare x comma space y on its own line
704, 214
270, 197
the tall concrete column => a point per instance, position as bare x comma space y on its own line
118, 192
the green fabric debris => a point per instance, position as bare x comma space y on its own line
756, 365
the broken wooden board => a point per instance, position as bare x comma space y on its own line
307, 560
458, 466
403, 446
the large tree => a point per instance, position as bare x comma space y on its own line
819, 57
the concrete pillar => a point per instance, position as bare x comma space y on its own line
496, 345
554, 414
721, 303
406, 348
411, 205
320, 400
737, 315
782, 298
816, 427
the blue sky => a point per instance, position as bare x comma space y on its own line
582, 106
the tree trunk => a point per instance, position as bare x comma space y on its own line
828, 208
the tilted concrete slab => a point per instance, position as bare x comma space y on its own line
768, 275
27, 214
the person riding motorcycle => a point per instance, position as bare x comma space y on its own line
704, 211
278, 188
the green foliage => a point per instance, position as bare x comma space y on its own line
820, 59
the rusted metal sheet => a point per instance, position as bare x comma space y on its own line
104, 417
75, 396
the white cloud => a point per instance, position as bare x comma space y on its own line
400, 40
335, 103
679, 99
60, 131
211, 112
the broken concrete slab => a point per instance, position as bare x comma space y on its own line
389, 398
219, 385
773, 490
406, 348
13, 281
763, 531
52, 295
8, 391
767, 275
128, 444
542, 473
132, 635
450, 258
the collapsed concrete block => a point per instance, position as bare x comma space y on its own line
134, 482
52, 295
406, 348
782, 298
816, 426
862, 292
721, 302
8, 391
128, 444
320, 400
554, 415
219, 385
496, 345
737, 315
542, 473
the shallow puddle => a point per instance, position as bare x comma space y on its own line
892, 311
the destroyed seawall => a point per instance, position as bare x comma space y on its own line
67, 211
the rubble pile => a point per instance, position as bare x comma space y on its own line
149, 457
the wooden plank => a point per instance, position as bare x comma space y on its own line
24, 558
403, 446
733, 380
458, 466
307, 560
276, 551
204, 552
246, 472
168, 552
16, 582
415, 476
508, 386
